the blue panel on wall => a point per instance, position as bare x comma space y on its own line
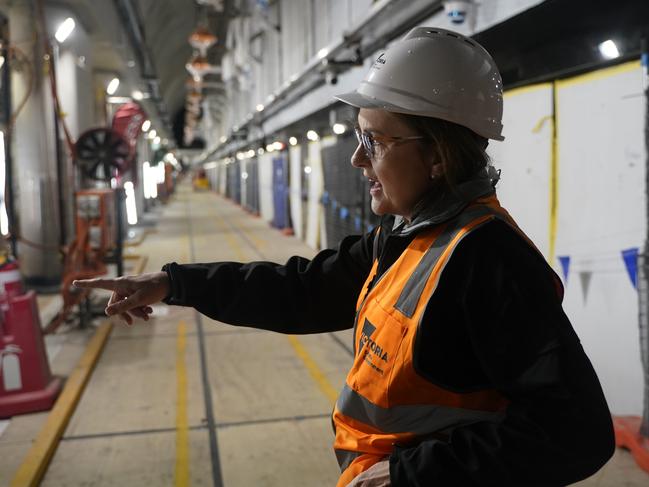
280, 192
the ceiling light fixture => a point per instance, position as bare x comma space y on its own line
609, 49
64, 30
112, 86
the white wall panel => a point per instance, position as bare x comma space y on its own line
244, 187
295, 21
524, 158
358, 10
223, 179
315, 188
601, 206
340, 19
321, 24
266, 207
324, 239
295, 178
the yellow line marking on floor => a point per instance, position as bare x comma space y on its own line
31, 471
233, 243
317, 374
35, 464
182, 426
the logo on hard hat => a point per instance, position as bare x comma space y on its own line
380, 59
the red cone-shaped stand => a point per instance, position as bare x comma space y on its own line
26, 383
627, 435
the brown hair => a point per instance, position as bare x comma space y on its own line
460, 150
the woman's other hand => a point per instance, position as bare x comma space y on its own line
132, 295
378, 475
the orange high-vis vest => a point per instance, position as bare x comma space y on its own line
384, 401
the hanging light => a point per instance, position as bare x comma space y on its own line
194, 84
198, 66
194, 96
202, 39
217, 5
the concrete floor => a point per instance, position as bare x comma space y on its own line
142, 419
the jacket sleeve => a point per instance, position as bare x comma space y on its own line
557, 428
300, 297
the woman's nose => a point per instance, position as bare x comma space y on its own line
359, 158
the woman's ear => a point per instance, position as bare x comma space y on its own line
436, 170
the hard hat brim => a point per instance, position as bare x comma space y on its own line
357, 100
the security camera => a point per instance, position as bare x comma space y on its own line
458, 10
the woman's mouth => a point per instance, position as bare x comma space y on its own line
375, 186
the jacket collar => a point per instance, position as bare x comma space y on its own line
434, 209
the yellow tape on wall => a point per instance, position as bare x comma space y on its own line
554, 178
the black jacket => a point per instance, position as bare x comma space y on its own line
495, 321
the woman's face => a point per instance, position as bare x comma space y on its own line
399, 175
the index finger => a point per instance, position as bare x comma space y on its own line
97, 283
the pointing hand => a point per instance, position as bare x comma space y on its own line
132, 295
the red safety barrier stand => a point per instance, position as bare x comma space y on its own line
627, 436
26, 383
10, 279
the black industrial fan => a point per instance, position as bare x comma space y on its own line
102, 152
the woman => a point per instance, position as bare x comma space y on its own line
466, 370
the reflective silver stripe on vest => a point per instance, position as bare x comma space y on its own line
420, 419
409, 297
345, 458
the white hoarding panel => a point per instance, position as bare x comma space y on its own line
313, 169
295, 178
266, 207
524, 159
601, 213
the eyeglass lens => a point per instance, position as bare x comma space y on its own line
366, 140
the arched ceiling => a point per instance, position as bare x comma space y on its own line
167, 24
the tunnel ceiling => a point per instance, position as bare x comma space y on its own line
166, 26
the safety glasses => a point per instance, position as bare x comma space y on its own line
371, 143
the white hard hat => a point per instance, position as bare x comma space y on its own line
437, 73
